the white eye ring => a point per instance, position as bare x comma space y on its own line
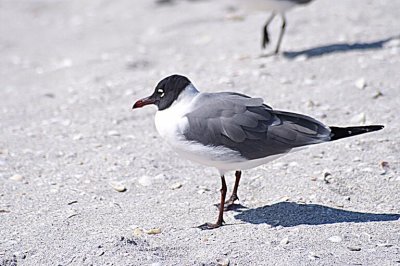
161, 91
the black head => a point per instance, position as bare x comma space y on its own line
165, 93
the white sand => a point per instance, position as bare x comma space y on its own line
69, 74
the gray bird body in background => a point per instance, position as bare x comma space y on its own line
275, 7
278, 6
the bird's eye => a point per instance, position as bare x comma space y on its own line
161, 92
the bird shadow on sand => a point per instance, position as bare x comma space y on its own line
288, 214
339, 48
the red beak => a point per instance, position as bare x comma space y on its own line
143, 102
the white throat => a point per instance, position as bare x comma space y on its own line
171, 122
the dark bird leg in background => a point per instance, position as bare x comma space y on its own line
283, 27
265, 39
230, 202
220, 220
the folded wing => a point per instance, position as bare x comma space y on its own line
246, 125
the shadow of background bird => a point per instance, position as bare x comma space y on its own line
310, 52
339, 48
288, 214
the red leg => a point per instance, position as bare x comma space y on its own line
220, 220
234, 196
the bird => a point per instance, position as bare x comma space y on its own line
276, 7
231, 131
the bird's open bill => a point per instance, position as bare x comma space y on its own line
142, 102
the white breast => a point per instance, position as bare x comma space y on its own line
171, 122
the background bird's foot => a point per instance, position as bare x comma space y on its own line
270, 54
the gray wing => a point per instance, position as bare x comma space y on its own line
250, 127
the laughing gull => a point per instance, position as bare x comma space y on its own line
276, 7
232, 131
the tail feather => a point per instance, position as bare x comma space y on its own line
344, 132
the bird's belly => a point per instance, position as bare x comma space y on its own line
207, 155
224, 159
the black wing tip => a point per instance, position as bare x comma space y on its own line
371, 128
344, 132
378, 127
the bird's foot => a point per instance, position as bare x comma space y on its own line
210, 226
270, 54
230, 203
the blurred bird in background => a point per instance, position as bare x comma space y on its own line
276, 7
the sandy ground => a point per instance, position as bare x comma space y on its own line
70, 72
